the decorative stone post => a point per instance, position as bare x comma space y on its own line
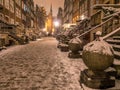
97, 56
63, 44
75, 45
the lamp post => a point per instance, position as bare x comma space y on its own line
56, 26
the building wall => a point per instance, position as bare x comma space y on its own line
12, 11
18, 12
86, 9
60, 15
75, 13
66, 11
97, 18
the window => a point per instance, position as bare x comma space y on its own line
86, 5
97, 1
16, 11
7, 4
117, 1
7, 18
1, 16
82, 10
22, 5
94, 36
18, 2
12, 6
1, 2
19, 13
12, 21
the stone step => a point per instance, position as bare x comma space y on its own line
110, 41
117, 54
27, 88
116, 47
116, 37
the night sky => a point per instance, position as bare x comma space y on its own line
47, 4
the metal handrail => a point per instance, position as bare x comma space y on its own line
111, 33
94, 27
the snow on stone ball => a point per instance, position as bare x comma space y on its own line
75, 40
99, 33
100, 47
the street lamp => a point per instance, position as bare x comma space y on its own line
56, 23
82, 17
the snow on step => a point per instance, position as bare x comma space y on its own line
116, 62
117, 54
113, 41
116, 47
116, 37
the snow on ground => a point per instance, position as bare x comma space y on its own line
39, 65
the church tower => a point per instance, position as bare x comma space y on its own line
50, 21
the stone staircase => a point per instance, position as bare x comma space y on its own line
16, 38
115, 42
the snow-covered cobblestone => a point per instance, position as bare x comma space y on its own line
39, 65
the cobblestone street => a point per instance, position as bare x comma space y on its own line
38, 66
60, 45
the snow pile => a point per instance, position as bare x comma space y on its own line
100, 47
64, 45
75, 40
99, 33
66, 33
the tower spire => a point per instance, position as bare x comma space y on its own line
51, 9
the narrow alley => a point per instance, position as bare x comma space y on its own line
38, 66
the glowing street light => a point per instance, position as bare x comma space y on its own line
82, 17
44, 29
56, 24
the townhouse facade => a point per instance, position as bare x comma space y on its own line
17, 18
60, 15
101, 14
95, 11
75, 10
49, 22
68, 8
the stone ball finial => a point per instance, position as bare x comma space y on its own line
98, 55
98, 33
